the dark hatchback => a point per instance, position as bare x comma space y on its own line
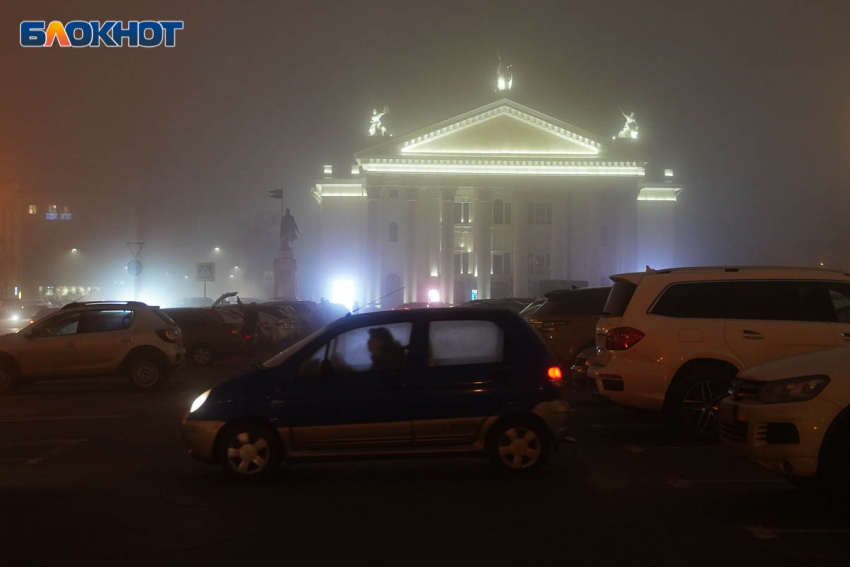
397, 383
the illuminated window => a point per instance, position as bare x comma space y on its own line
51, 209
393, 232
33, 209
501, 263
462, 212
462, 264
66, 209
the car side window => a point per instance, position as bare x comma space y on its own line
698, 300
377, 347
462, 342
781, 301
105, 321
58, 327
839, 295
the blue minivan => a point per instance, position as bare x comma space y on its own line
429, 382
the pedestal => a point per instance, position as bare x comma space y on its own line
285, 275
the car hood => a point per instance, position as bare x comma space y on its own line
827, 362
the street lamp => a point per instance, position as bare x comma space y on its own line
74, 251
217, 249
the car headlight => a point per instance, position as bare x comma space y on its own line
199, 401
792, 389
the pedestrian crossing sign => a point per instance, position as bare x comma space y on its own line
205, 272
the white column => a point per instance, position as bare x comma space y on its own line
520, 255
481, 240
655, 233
373, 244
447, 246
411, 261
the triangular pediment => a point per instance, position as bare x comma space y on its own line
503, 128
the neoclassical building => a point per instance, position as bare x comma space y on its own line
499, 201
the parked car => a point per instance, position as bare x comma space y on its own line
411, 305
515, 304
287, 315
16, 313
672, 340
532, 308
417, 382
272, 331
567, 320
94, 338
206, 334
193, 302
309, 319
578, 371
792, 415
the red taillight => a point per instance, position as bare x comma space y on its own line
555, 374
622, 338
169, 335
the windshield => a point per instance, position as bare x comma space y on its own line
282, 356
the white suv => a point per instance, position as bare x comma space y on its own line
94, 338
672, 340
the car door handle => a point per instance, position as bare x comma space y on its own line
752, 335
845, 335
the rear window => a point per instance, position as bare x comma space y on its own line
619, 298
699, 300
456, 343
576, 302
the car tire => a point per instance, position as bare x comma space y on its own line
10, 379
248, 451
202, 354
692, 402
519, 447
146, 373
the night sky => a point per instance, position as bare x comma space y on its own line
748, 101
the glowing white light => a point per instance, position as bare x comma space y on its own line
634, 134
328, 170
235, 267
73, 250
658, 193
668, 173
342, 292
199, 401
231, 275
504, 167
185, 277
17, 317
217, 249
433, 295
355, 169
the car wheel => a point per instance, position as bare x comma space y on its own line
693, 401
146, 374
519, 447
202, 354
249, 451
9, 379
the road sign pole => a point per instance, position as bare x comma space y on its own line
205, 289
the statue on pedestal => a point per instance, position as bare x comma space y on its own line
630, 128
288, 230
375, 124
504, 76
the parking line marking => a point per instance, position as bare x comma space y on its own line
12, 418
686, 483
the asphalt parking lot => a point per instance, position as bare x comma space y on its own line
92, 473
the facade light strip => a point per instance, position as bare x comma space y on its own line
621, 171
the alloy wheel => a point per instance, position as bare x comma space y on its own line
202, 355
519, 447
248, 453
145, 374
701, 404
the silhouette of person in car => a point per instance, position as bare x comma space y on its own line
386, 352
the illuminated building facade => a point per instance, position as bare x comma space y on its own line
500, 201
10, 240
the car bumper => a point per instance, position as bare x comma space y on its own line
782, 437
200, 435
634, 383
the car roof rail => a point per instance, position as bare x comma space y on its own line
86, 303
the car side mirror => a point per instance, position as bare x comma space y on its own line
326, 369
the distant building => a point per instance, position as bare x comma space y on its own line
499, 201
11, 208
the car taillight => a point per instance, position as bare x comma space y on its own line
555, 374
169, 335
622, 338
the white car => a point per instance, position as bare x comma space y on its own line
793, 416
94, 338
672, 340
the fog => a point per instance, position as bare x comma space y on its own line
747, 101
